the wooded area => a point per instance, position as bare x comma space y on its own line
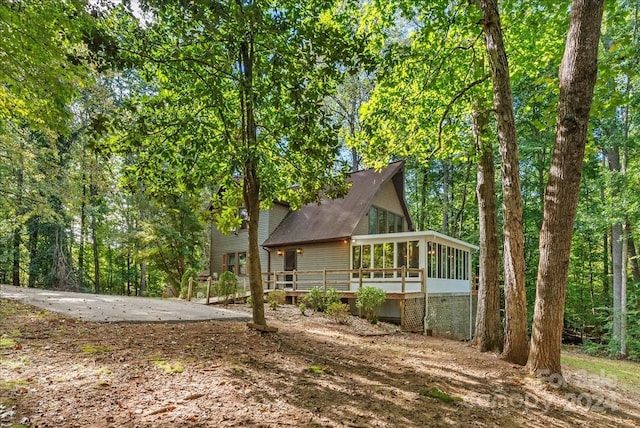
120, 123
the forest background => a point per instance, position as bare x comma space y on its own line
118, 123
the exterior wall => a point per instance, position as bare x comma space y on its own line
316, 257
440, 285
235, 243
386, 198
448, 315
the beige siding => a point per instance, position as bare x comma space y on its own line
388, 199
276, 215
235, 243
328, 255
316, 257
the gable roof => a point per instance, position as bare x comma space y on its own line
336, 219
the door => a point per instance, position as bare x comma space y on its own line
290, 264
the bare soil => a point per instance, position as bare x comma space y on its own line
59, 372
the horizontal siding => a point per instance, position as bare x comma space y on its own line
387, 199
315, 257
235, 243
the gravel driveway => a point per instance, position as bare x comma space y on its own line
103, 308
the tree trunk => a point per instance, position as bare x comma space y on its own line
633, 259
577, 75
623, 296
17, 242
33, 226
143, 278
424, 172
17, 229
94, 238
251, 183
488, 334
446, 182
613, 159
459, 223
515, 339
83, 229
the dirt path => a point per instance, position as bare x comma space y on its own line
58, 372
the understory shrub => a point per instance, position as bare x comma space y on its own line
339, 312
319, 300
276, 298
369, 300
184, 282
227, 287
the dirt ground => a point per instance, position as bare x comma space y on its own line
59, 372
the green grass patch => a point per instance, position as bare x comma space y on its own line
13, 363
624, 373
169, 367
6, 342
8, 385
96, 349
435, 392
318, 370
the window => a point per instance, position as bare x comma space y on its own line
235, 262
432, 260
414, 257
244, 216
378, 261
383, 221
242, 263
373, 220
402, 254
231, 262
391, 222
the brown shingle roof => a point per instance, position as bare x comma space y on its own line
338, 218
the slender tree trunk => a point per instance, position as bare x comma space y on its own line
128, 273
623, 296
488, 335
83, 230
633, 256
515, 339
17, 243
605, 266
33, 226
422, 224
143, 278
17, 229
96, 255
446, 182
459, 224
251, 183
578, 72
613, 159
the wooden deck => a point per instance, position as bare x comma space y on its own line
399, 284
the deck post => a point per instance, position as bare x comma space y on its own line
404, 278
360, 278
324, 280
190, 289
294, 285
208, 289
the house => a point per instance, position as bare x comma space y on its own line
366, 238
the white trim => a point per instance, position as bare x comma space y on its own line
436, 237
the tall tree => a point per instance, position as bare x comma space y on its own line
237, 100
488, 335
577, 74
516, 345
